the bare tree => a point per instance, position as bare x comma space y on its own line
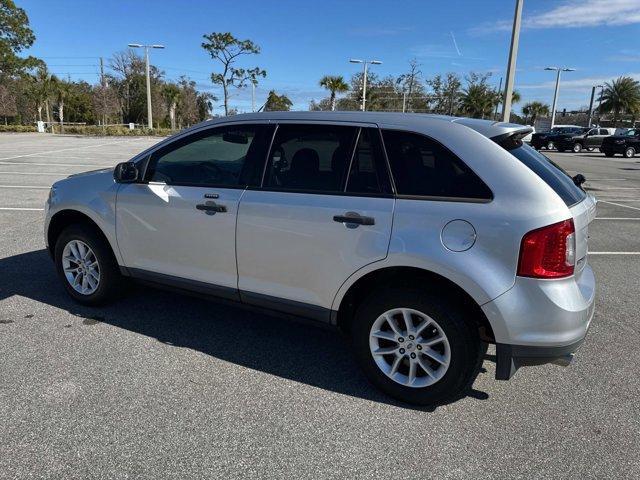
225, 48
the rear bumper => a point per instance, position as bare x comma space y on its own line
540, 321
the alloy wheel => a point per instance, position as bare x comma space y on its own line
409, 347
81, 267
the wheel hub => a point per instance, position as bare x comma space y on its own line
409, 347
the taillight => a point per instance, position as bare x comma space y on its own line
548, 252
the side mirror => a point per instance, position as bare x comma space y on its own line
125, 172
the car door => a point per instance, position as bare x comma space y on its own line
324, 211
178, 224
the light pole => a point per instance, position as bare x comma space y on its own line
511, 66
364, 78
555, 95
146, 63
593, 94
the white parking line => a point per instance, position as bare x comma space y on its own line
614, 253
619, 204
25, 186
617, 218
64, 150
22, 209
57, 164
31, 173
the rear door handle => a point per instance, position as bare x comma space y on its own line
211, 208
354, 218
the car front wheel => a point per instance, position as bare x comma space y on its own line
577, 147
416, 347
86, 265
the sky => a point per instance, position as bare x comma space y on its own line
303, 40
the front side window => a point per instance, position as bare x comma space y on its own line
310, 158
423, 167
224, 156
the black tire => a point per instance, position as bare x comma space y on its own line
467, 350
629, 152
550, 146
110, 281
577, 147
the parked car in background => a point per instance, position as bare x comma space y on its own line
588, 138
422, 237
546, 139
527, 138
627, 144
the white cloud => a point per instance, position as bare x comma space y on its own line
574, 14
568, 84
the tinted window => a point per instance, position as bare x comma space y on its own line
421, 166
310, 158
552, 174
604, 131
224, 156
368, 172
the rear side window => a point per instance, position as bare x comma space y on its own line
310, 158
552, 174
423, 167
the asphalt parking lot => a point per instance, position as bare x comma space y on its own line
165, 386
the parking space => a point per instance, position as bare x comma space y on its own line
161, 385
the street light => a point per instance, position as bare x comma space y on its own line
146, 61
593, 94
555, 95
364, 78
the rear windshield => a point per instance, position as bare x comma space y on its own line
552, 173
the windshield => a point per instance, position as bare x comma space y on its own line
631, 133
552, 174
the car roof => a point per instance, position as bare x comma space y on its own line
488, 128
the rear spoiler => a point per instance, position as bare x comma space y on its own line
513, 139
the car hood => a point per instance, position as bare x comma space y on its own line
100, 171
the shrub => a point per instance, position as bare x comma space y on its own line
18, 128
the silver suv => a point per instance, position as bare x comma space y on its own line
423, 237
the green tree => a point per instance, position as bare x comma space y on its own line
277, 103
478, 99
445, 94
533, 110
172, 95
15, 36
62, 90
226, 49
335, 84
622, 95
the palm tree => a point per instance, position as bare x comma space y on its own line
62, 90
477, 100
171, 94
533, 110
42, 91
335, 84
622, 95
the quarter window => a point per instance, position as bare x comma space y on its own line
368, 173
422, 167
224, 156
310, 158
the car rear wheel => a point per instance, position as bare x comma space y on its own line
86, 265
577, 147
550, 146
416, 347
629, 152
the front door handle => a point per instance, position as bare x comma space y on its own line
211, 208
353, 219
